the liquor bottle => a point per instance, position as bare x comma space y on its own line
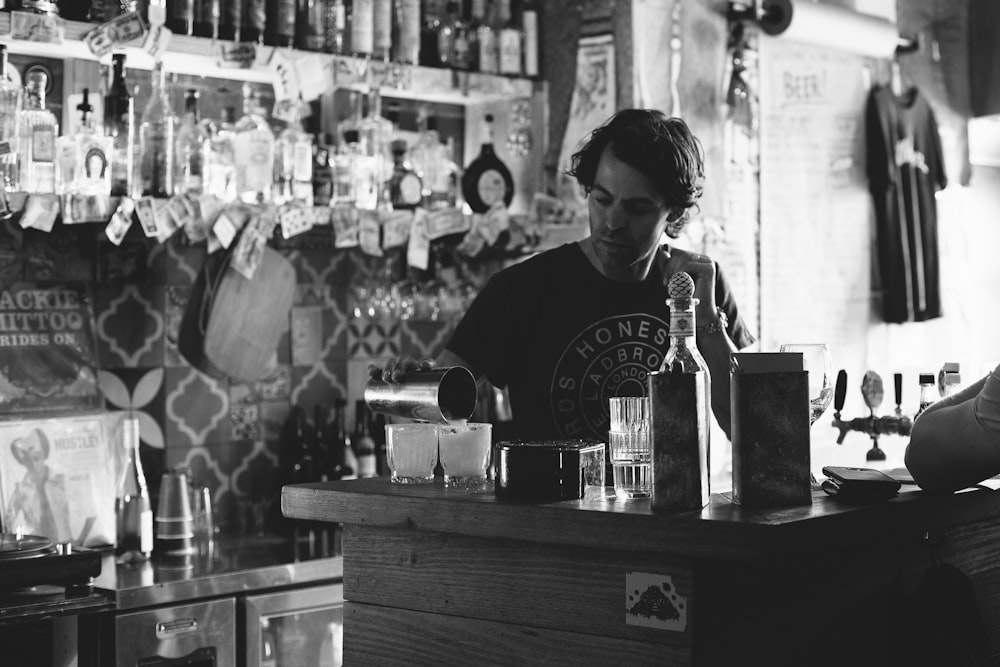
530, 24
254, 20
487, 179
430, 27
362, 28
376, 135
462, 38
342, 442
406, 189
38, 130
268, 644
928, 392
343, 164
221, 170
382, 29
192, 149
310, 25
680, 407
377, 429
293, 166
304, 464
84, 157
363, 443
180, 16
279, 25
508, 40
231, 20
253, 151
327, 466
446, 35
407, 32
119, 124
156, 140
484, 44
208, 19
335, 23
133, 510
10, 112
322, 180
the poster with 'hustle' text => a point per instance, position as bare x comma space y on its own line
48, 359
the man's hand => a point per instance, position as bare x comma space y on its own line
701, 268
396, 368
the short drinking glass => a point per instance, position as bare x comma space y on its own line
412, 452
465, 453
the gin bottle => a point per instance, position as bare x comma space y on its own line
253, 151
192, 149
293, 166
84, 157
38, 130
133, 511
156, 140
10, 109
221, 169
406, 190
680, 407
119, 125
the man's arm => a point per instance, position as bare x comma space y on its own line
949, 450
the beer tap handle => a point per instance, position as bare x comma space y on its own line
840, 391
839, 394
897, 382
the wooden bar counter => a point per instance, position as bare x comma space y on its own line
442, 576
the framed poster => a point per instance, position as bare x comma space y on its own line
57, 477
48, 359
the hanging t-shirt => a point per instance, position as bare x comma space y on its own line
563, 338
905, 169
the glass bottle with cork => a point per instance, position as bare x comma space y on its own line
156, 140
38, 131
10, 111
119, 124
680, 409
133, 509
487, 180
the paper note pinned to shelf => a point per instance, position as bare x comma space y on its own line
37, 27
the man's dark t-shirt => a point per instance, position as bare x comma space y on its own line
563, 338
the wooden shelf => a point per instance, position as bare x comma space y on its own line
200, 56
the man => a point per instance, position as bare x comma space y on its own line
955, 443
569, 328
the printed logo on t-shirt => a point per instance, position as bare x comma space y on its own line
612, 357
907, 153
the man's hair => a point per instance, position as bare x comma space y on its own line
661, 148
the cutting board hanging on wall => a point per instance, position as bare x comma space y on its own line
232, 324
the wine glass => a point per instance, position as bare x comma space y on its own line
817, 361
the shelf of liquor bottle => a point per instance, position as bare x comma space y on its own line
258, 63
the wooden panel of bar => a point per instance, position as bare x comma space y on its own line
462, 577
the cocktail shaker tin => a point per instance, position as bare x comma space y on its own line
437, 395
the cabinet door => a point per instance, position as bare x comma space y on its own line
193, 634
297, 628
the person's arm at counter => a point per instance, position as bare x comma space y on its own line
955, 443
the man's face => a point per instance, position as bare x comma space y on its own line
627, 217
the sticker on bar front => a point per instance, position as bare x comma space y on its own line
652, 601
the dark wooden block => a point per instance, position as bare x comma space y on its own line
770, 436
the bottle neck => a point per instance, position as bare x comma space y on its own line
682, 321
191, 108
34, 96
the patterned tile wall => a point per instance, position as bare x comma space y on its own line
227, 434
